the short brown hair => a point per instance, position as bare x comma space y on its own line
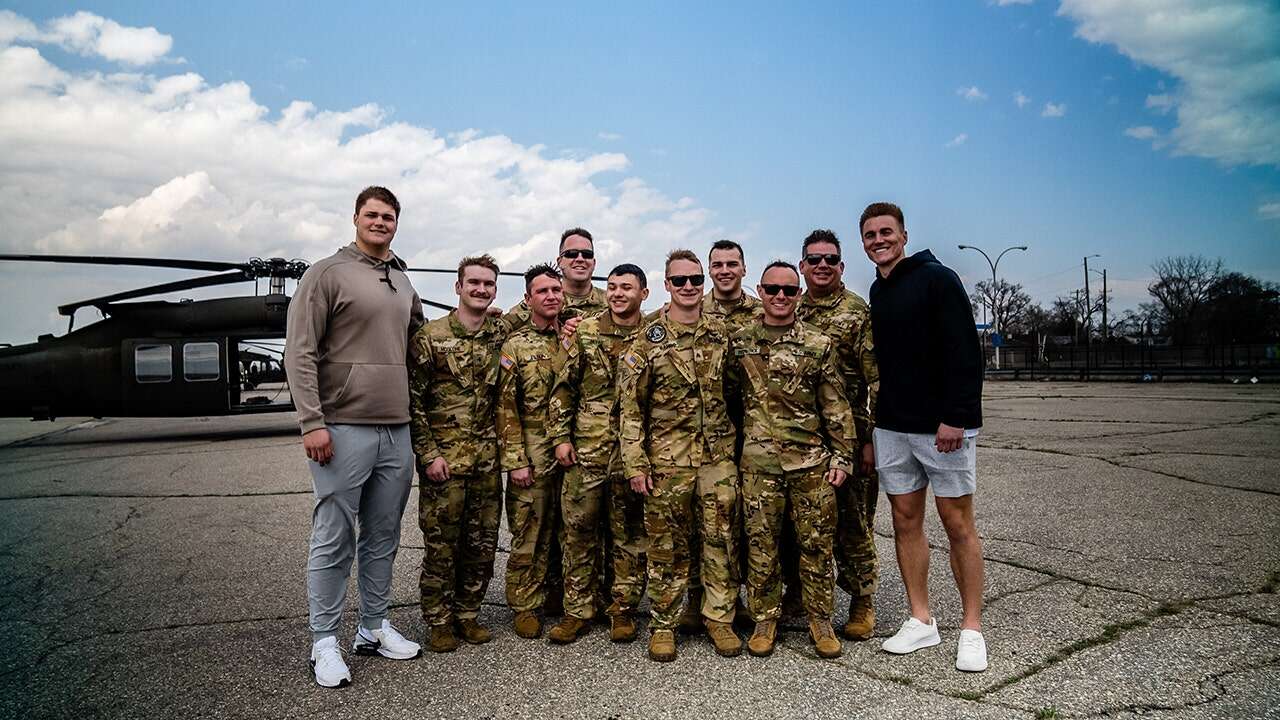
377, 192
726, 245
538, 271
484, 261
680, 254
876, 209
576, 231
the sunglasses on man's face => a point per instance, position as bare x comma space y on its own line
575, 254
832, 259
680, 280
788, 290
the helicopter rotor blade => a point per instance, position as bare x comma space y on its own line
199, 282
434, 304
504, 272
209, 265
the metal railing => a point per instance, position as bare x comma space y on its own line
1155, 362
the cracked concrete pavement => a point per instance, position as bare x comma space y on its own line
155, 568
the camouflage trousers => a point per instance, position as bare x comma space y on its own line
591, 498
533, 519
459, 521
856, 559
682, 499
813, 512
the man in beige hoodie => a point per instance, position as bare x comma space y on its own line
350, 320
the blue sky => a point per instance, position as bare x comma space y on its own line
761, 122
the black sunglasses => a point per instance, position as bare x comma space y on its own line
680, 280
575, 254
832, 259
788, 290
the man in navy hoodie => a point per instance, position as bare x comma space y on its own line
926, 425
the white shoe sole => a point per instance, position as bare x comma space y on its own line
922, 643
376, 648
971, 669
342, 682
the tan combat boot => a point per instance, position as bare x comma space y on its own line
442, 638
527, 624
622, 628
762, 640
862, 619
824, 638
473, 632
568, 630
662, 645
726, 641
691, 618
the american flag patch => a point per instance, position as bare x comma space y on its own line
506, 361
631, 360
566, 342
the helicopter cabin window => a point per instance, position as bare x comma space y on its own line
153, 363
200, 362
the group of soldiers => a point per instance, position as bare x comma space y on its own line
719, 444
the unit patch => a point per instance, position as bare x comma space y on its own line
656, 334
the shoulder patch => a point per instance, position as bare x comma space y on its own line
656, 333
506, 361
632, 360
566, 342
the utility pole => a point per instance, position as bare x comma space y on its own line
1088, 315
995, 325
1105, 330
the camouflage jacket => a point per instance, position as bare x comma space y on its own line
671, 395
847, 319
584, 403
587, 305
797, 415
528, 365
453, 388
735, 316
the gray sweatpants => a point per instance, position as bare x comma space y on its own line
365, 485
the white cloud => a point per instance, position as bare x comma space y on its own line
958, 140
608, 136
173, 165
971, 93
1161, 103
1006, 3
1054, 110
1020, 100
89, 35
1269, 211
1225, 57
1142, 132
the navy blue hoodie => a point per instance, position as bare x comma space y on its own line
926, 347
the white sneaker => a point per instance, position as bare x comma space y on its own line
326, 660
385, 641
912, 636
971, 652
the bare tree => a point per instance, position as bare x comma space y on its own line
1182, 287
1006, 302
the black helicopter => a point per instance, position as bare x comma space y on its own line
159, 358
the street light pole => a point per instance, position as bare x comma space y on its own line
995, 323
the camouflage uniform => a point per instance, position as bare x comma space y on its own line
453, 389
574, 305
847, 319
528, 365
735, 315
584, 411
675, 428
798, 424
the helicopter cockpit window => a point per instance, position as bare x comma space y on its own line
200, 362
153, 363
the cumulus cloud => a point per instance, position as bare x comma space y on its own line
1141, 132
1161, 103
971, 93
154, 164
1020, 100
1225, 57
89, 35
1269, 211
1054, 110
608, 136
958, 140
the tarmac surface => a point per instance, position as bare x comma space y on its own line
155, 568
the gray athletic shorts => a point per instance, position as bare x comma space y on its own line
907, 462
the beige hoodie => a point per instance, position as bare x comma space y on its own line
347, 340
